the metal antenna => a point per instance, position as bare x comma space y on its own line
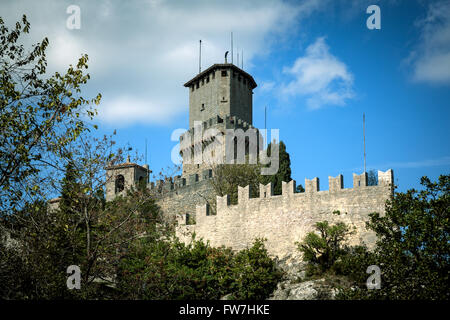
364, 136
265, 125
231, 47
200, 58
146, 151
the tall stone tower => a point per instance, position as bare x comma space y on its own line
220, 97
221, 90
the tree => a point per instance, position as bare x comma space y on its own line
284, 170
372, 178
227, 177
413, 246
39, 114
323, 249
173, 270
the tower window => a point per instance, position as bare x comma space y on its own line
213, 75
120, 183
203, 107
224, 73
207, 79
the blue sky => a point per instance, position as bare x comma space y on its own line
317, 66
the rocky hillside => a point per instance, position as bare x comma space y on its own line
295, 285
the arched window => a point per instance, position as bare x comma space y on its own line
120, 183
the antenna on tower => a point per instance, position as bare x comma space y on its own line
265, 125
364, 137
200, 58
146, 151
231, 47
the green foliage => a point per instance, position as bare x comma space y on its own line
284, 170
227, 177
413, 247
42, 252
299, 189
174, 270
322, 250
40, 114
255, 275
372, 178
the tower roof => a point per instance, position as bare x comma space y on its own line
126, 165
222, 66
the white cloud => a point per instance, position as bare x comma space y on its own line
147, 49
125, 110
320, 77
431, 58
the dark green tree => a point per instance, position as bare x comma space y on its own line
413, 246
322, 249
284, 170
372, 178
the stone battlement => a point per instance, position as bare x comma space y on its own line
180, 182
287, 218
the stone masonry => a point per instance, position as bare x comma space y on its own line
287, 218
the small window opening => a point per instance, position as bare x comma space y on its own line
224, 73
120, 183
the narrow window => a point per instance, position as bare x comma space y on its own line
203, 107
207, 79
120, 183
213, 74
224, 73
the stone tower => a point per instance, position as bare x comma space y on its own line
220, 97
121, 177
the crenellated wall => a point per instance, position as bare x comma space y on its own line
287, 218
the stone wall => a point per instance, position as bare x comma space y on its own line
182, 201
287, 218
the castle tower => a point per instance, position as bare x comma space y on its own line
220, 97
121, 177
221, 90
